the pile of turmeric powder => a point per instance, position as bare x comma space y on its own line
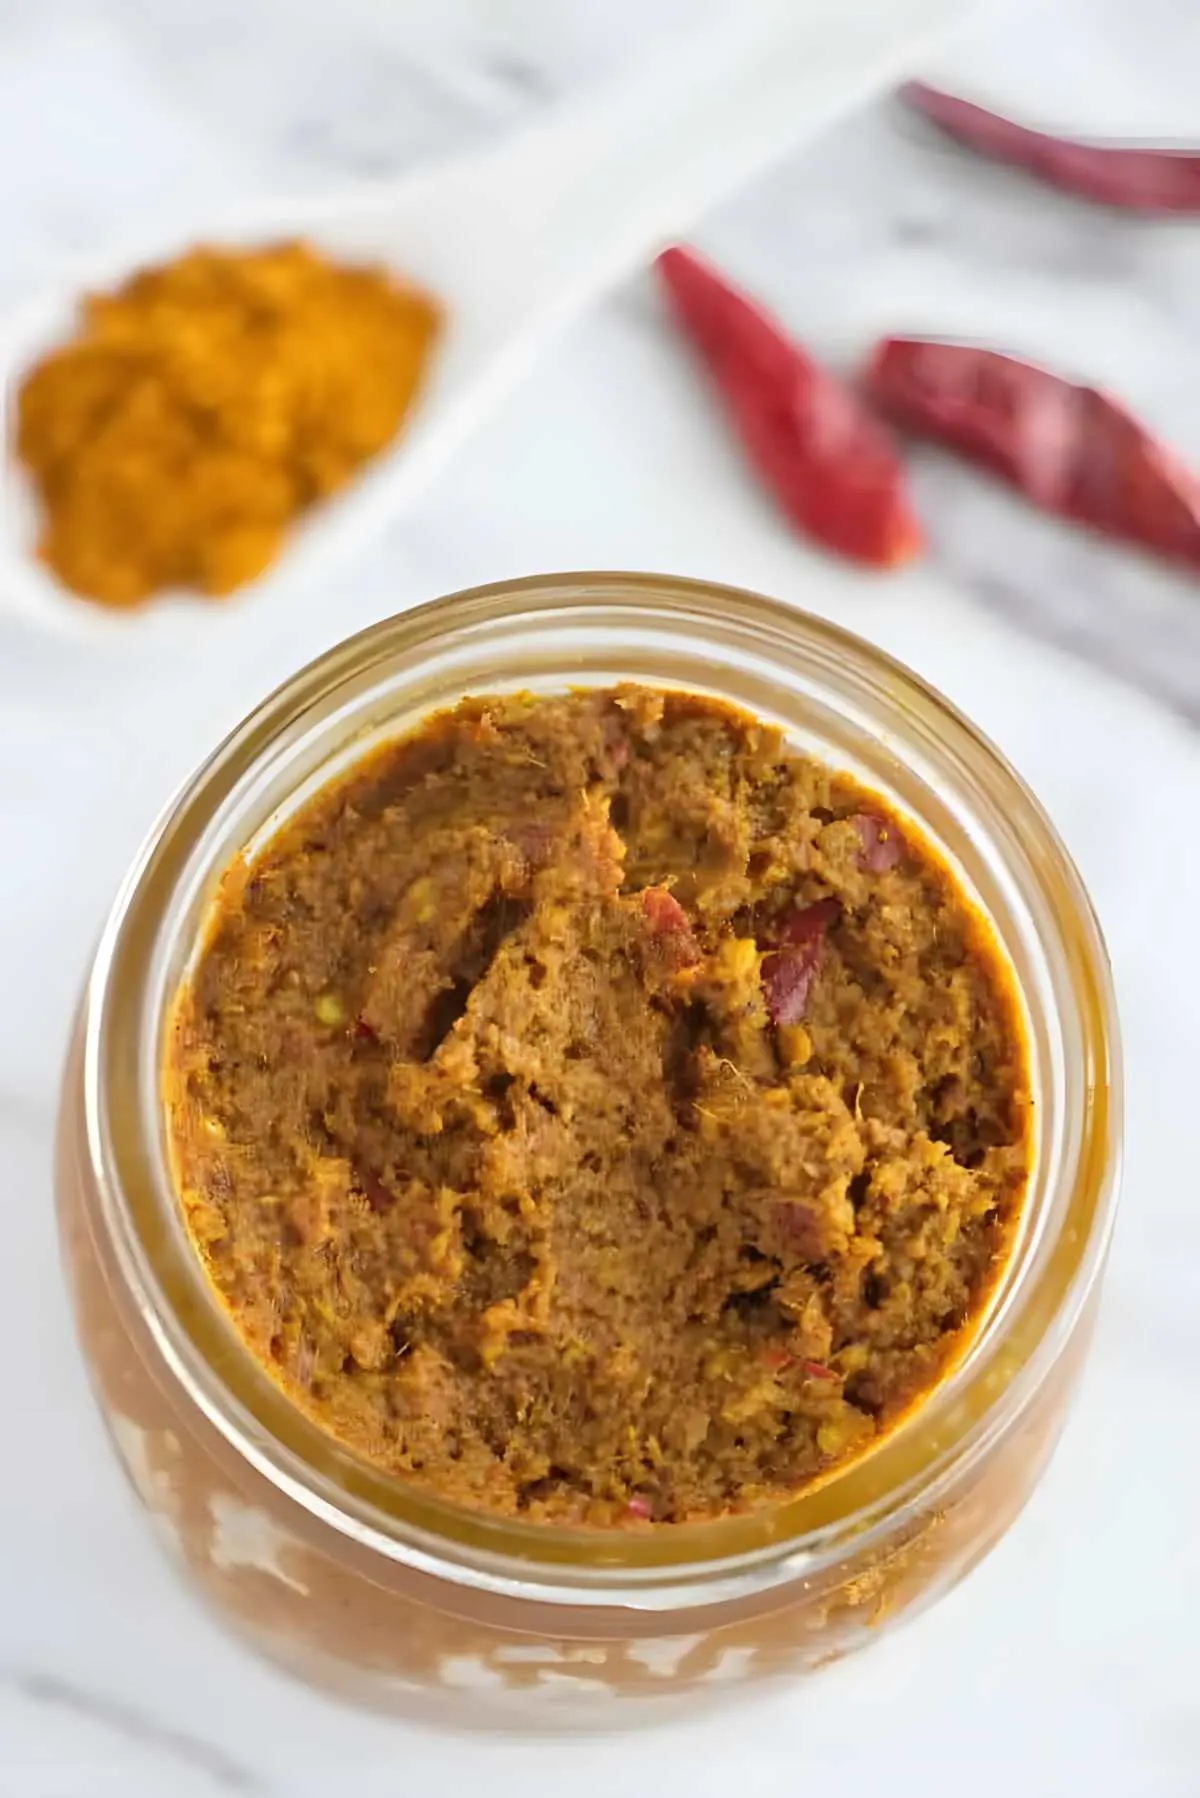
206, 403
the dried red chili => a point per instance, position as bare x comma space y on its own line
805, 924
831, 467
669, 927
817, 1370
663, 912
1071, 449
378, 1196
882, 844
789, 971
777, 1357
1135, 177
802, 1228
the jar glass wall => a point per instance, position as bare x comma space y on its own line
385, 1594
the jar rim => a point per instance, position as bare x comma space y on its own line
739, 640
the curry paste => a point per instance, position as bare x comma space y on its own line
595, 1111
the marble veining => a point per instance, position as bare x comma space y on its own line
216, 1769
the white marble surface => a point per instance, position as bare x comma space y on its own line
1068, 1663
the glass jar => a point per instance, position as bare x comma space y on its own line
382, 1593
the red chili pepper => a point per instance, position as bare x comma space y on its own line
803, 1228
777, 1358
789, 971
669, 927
1135, 177
817, 1370
1071, 449
830, 465
882, 844
806, 924
378, 1196
663, 912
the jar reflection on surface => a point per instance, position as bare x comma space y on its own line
388, 1597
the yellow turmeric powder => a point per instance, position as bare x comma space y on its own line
206, 403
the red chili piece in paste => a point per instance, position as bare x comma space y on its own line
808, 923
787, 978
378, 1196
777, 1357
817, 1370
669, 926
882, 844
803, 1229
789, 971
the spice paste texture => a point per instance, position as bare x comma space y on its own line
593, 1110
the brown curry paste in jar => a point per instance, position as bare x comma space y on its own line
595, 1111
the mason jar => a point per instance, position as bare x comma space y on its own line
382, 1593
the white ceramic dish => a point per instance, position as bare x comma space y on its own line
514, 242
